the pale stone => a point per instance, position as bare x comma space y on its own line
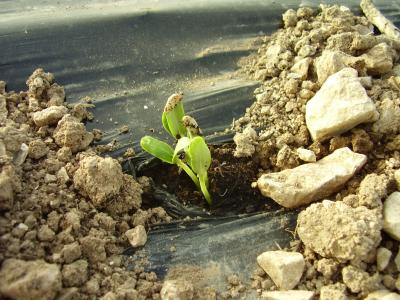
177, 290
62, 175
22, 154
397, 260
331, 62
306, 155
333, 292
284, 268
341, 104
383, 256
379, 59
137, 236
287, 295
397, 178
49, 116
382, 295
313, 181
389, 118
391, 213
301, 67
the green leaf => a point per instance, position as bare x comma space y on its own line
174, 121
180, 147
199, 156
157, 148
165, 124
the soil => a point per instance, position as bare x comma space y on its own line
230, 180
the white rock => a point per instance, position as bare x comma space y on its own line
287, 295
383, 256
306, 155
331, 62
177, 290
313, 181
391, 213
379, 59
382, 295
22, 154
137, 236
341, 104
397, 260
333, 292
284, 268
49, 116
397, 178
301, 67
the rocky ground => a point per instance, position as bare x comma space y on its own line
328, 121
328, 109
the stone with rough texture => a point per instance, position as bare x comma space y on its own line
137, 236
99, 178
300, 68
383, 256
306, 155
284, 268
333, 292
378, 59
49, 116
397, 260
391, 213
29, 280
389, 118
177, 290
331, 62
341, 104
287, 295
382, 295
358, 280
359, 232
313, 181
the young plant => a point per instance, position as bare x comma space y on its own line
191, 153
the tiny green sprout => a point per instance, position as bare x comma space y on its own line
191, 153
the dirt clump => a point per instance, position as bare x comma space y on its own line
64, 208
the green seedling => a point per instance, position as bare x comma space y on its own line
191, 153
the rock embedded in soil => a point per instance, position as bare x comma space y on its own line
341, 104
333, 292
306, 155
379, 59
49, 116
29, 279
391, 213
6, 192
72, 133
357, 235
382, 295
313, 181
383, 256
389, 117
177, 290
99, 178
287, 295
137, 236
284, 268
75, 274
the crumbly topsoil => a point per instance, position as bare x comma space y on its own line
291, 66
64, 209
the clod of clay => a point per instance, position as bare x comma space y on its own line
99, 178
357, 235
177, 290
137, 236
333, 292
71, 133
389, 117
284, 268
391, 213
358, 280
6, 192
245, 142
37, 149
3, 109
39, 82
288, 295
49, 116
383, 256
75, 274
29, 280
312, 181
341, 104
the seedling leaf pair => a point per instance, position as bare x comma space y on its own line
191, 153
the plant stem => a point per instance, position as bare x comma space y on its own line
204, 190
188, 171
